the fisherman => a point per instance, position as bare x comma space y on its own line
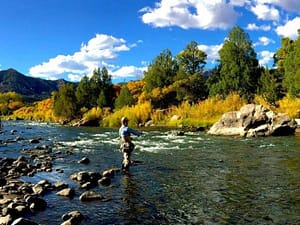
126, 144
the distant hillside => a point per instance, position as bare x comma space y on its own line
32, 89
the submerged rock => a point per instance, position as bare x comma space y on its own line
90, 196
252, 121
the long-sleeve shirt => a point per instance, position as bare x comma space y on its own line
125, 132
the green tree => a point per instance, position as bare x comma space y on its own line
191, 60
95, 86
107, 88
291, 66
65, 104
161, 72
125, 98
102, 100
83, 93
101, 82
239, 69
269, 87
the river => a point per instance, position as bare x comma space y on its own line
190, 179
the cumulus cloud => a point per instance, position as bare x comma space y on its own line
290, 5
191, 14
265, 12
266, 57
290, 29
96, 53
212, 51
129, 71
264, 41
239, 3
253, 26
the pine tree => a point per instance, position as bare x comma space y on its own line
125, 98
269, 87
65, 102
239, 69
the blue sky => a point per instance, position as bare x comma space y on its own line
70, 38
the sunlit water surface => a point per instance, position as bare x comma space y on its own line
190, 179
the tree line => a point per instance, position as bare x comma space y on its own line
171, 80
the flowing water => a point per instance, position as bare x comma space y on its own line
190, 179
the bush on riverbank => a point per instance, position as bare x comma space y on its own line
204, 113
39, 111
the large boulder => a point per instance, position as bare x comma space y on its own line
254, 120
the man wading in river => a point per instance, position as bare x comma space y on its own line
126, 144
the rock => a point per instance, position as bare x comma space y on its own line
90, 196
60, 185
36, 203
23, 221
5, 220
252, 121
149, 123
84, 177
74, 217
84, 160
39, 189
67, 192
105, 181
109, 173
177, 133
34, 141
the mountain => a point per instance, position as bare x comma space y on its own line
32, 89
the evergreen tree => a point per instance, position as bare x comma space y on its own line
107, 89
65, 102
292, 68
239, 70
102, 100
161, 72
191, 60
125, 98
95, 87
83, 93
268, 87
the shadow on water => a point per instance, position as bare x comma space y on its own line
190, 179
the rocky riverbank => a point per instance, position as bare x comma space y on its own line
20, 200
253, 121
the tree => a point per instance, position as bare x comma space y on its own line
95, 86
83, 93
65, 104
239, 70
191, 60
161, 72
125, 98
101, 81
101, 102
268, 87
191, 81
107, 88
288, 57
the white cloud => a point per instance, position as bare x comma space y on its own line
290, 5
186, 14
266, 57
96, 53
265, 12
239, 3
129, 71
212, 51
253, 26
290, 29
264, 41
